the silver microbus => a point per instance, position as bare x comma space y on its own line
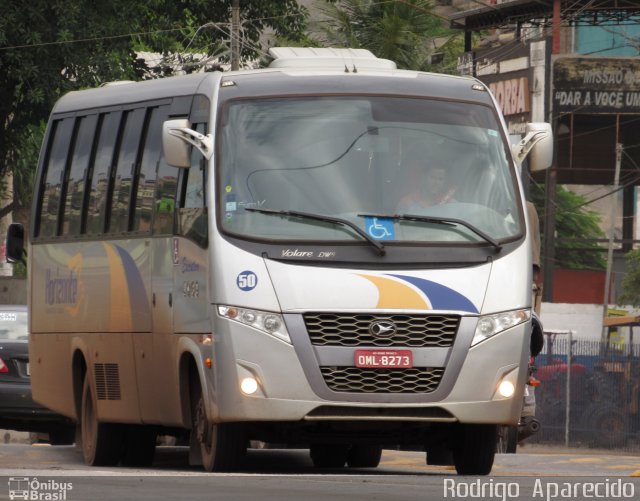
246, 256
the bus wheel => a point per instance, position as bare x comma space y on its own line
475, 449
222, 445
101, 442
364, 456
507, 439
139, 445
329, 455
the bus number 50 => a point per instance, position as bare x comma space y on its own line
247, 280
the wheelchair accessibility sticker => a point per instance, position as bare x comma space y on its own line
380, 228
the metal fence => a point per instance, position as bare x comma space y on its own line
589, 394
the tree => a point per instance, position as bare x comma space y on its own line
631, 280
577, 228
48, 48
403, 31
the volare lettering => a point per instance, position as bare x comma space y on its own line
296, 253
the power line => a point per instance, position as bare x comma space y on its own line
93, 39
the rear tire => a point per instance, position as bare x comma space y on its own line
329, 455
364, 456
475, 449
608, 426
101, 442
139, 445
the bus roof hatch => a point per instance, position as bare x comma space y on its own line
327, 58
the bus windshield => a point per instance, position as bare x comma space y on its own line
365, 160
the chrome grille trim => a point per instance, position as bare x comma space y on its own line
358, 380
413, 331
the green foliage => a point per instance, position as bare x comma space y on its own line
403, 31
576, 229
48, 48
631, 280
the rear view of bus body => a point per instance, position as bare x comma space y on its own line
220, 255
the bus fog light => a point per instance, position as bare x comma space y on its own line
249, 386
506, 389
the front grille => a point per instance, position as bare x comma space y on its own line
357, 380
415, 331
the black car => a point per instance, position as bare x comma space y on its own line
18, 411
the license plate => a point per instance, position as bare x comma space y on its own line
384, 359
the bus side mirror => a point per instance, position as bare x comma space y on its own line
537, 144
15, 243
177, 139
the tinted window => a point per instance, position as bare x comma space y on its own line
165, 201
147, 176
62, 131
100, 177
125, 170
77, 174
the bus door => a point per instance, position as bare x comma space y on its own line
190, 268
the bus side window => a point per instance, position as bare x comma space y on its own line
165, 198
76, 179
100, 177
123, 178
192, 217
53, 172
146, 179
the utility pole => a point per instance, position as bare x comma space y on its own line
235, 35
612, 226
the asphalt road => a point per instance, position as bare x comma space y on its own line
279, 474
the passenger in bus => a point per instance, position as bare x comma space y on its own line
428, 186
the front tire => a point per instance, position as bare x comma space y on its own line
222, 445
101, 442
329, 455
364, 456
475, 449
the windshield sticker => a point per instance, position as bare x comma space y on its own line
230, 203
492, 132
380, 228
246, 280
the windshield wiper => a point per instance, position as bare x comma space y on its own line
445, 221
328, 219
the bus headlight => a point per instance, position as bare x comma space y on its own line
265, 321
490, 325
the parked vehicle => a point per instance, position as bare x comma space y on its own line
18, 411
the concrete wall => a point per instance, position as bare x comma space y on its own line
585, 320
13, 290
